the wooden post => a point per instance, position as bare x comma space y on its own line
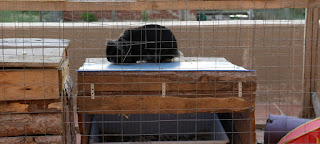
310, 60
114, 15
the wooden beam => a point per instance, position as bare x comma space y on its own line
33, 52
154, 5
32, 57
310, 60
176, 82
40, 106
29, 84
153, 104
55, 139
30, 124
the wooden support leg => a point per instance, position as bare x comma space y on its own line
244, 123
85, 125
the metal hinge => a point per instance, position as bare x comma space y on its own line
92, 91
163, 90
240, 89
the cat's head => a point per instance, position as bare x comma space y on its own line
113, 53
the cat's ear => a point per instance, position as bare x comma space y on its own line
110, 43
107, 42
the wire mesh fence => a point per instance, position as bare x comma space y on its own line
158, 71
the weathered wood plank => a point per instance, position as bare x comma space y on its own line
30, 124
33, 42
151, 104
32, 140
310, 60
32, 57
30, 61
247, 95
40, 106
58, 52
175, 81
154, 5
29, 85
165, 76
32, 52
219, 87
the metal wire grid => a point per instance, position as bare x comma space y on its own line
270, 47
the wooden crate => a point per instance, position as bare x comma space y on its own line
31, 89
191, 85
31, 68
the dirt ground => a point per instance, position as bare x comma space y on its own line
274, 51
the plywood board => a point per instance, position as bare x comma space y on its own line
33, 42
32, 52
30, 61
178, 64
29, 85
44, 52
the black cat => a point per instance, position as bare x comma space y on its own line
149, 43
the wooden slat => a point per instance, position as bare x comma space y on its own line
29, 85
171, 88
55, 139
30, 124
30, 61
175, 81
40, 106
247, 95
32, 52
310, 60
152, 104
44, 52
155, 5
33, 42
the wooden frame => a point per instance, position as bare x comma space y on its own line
96, 5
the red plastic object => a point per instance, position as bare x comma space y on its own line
305, 133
